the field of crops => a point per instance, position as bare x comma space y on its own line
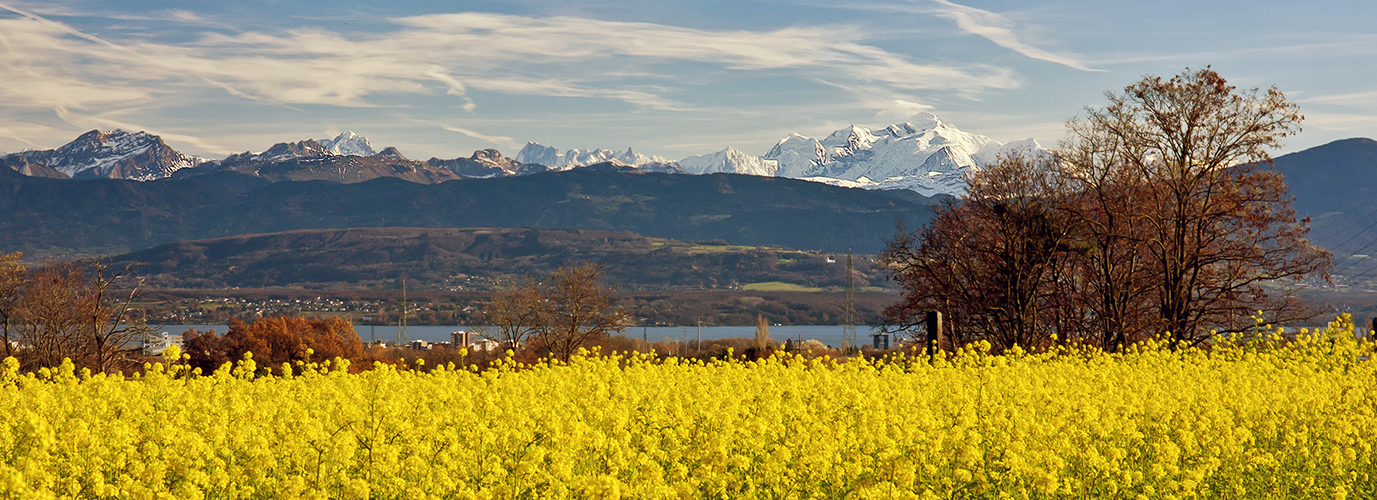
1242, 420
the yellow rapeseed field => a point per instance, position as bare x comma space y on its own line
1265, 418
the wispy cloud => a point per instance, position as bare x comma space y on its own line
1366, 99
1342, 122
112, 121
506, 142
554, 56
998, 29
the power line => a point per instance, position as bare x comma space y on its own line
1350, 226
1351, 238
1364, 273
1355, 252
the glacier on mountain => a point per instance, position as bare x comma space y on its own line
348, 143
731, 161
923, 154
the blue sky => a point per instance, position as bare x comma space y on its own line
673, 79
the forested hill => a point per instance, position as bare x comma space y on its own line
1336, 186
483, 259
43, 216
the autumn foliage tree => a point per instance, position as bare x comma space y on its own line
1216, 223
1158, 214
273, 341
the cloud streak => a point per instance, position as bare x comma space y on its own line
997, 29
449, 54
506, 142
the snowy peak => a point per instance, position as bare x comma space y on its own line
573, 158
348, 143
924, 154
493, 158
281, 151
730, 160
114, 154
924, 121
849, 140
540, 155
799, 156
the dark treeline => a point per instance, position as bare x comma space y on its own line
1158, 214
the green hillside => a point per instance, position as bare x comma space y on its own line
481, 259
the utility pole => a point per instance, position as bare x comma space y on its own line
849, 313
401, 325
699, 347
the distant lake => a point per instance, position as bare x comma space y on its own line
827, 334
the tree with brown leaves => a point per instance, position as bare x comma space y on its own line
275, 340
69, 310
990, 262
1157, 214
1214, 226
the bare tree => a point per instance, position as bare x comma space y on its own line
70, 310
582, 310
12, 276
53, 311
113, 334
515, 314
1115, 275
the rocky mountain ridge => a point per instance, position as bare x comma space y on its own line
112, 154
923, 154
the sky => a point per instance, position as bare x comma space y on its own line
444, 78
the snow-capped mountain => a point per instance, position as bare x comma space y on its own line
564, 160
483, 164
281, 151
112, 154
799, 156
730, 160
348, 143
308, 160
923, 154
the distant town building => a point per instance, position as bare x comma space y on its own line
473, 341
154, 345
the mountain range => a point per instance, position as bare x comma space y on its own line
922, 154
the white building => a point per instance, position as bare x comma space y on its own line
154, 345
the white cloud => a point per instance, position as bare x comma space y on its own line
113, 122
1367, 99
1342, 122
556, 56
997, 29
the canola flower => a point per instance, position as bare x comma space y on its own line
1263, 418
